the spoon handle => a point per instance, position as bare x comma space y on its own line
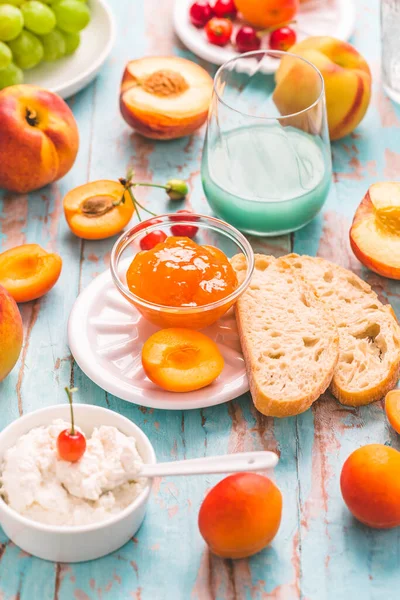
228, 463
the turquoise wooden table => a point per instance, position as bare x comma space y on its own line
320, 552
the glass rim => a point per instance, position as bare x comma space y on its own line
270, 52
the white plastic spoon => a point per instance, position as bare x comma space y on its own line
227, 463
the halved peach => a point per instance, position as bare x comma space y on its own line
28, 272
95, 211
181, 360
375, 232
165, 97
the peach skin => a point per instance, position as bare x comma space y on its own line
28, 272
347, 80
370, 485
11, 333
240, 515
39, 138
374, 234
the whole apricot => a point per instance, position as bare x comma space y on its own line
11, 333
240, 515
370, 484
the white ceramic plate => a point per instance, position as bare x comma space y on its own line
315, 17
72, 73
106, 335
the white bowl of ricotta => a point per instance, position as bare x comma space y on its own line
73, 512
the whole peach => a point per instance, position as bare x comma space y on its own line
347, 79
240, 515
370, 484
39, 138
11, 333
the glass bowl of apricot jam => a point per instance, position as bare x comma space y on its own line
175, 269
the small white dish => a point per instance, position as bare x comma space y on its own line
78, 543
71, 74
315, 17
106, 334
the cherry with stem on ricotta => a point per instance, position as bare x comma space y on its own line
71, 444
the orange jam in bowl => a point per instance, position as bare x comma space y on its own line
180, 273
181, 282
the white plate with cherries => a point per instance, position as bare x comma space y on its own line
216, 31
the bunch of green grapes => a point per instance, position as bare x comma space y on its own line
36, 30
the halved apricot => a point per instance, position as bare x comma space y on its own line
392, 408
181, 360
98, 210
165, 97
28, 272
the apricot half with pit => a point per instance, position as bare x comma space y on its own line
165, 98
98, 210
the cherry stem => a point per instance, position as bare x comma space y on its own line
128, 185
70, 391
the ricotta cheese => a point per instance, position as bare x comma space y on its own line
37, 484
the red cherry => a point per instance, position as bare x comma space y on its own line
200, 13
247, 39
219, 31
152, 239
71, 444
282, 38
225, 9
184, 230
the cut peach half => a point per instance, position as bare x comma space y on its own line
165, 97
98, 210
375, 232
28, 272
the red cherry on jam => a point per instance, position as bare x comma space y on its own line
225, 9
219, 31
184, 230
247, 39
71, 444
282, 38
152, 239
200, 13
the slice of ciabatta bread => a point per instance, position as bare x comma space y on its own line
289, 339
369, 334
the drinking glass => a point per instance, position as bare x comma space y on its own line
390, 36
266, 166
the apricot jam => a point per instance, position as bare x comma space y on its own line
179, 272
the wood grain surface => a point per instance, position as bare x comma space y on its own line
320, 552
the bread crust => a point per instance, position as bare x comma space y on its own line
299, 400
381, 315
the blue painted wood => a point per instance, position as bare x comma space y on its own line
320, 552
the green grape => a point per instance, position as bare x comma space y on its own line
72, 41
72, 15
11, 22
13, 2
11, 75
5, 55
54, 45
27, 50
38, 17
